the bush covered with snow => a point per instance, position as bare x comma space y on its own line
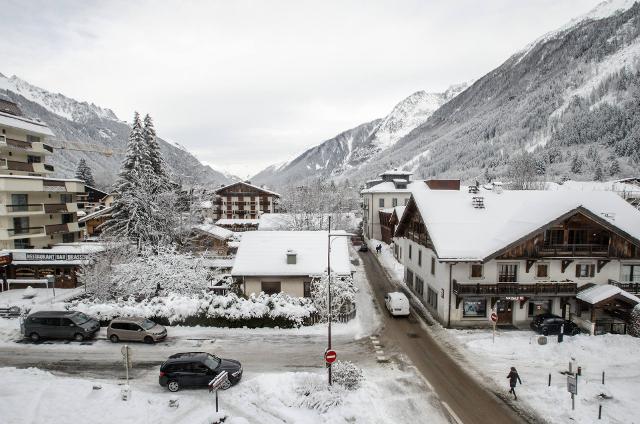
634, 322
347, 374
206, 309
343, 295
314, 393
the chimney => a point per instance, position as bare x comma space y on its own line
247, 181
443, 184
292, 257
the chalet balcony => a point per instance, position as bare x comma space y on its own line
560, 250
553, 288
629, 287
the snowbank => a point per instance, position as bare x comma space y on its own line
394, 268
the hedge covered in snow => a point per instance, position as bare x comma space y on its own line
206, 309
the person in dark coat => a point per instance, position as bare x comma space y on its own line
513, 379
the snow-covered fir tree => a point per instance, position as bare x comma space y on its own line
83, 172
153, 150
598, 174
614, 168
576, 164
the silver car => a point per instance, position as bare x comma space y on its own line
135, 329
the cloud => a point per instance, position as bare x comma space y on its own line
244, 84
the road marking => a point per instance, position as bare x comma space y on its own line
453, 414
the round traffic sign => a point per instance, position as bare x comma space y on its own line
330, 356
494, 317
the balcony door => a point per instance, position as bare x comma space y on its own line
21, 225
507, 273
20, 202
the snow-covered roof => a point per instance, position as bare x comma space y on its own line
23, 123
396, 172
237, 221
310, 221
95, 214
461, 231
264, 253
598, 293
615, 185
32, 177
206, 204
390, 187
247, 184
215, 230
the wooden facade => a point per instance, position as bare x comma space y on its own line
243, 200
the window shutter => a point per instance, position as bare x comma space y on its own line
577, 270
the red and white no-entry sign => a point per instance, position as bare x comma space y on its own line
494, 317
330, 356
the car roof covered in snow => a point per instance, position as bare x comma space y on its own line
461, 231
264, 253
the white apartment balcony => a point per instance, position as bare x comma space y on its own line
54, 229
20, 233
36, 168
10, 144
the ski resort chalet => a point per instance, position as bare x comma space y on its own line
287, 261
521, 253
241, 200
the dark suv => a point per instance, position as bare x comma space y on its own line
59, 325
197, 369
551, 324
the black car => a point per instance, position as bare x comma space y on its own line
551, 324
364, 247
197, 369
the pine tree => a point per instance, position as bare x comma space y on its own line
83, 172
598, 174
614, 168
156, 162
576, 164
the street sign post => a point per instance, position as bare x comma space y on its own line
330, 356
126, 356
494, 320
572, 387
217, 383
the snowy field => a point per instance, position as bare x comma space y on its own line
616, 355
388, 395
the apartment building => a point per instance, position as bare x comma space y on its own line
241, 200
468, 253
36, 211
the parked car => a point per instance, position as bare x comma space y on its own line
364, 247
59, 325
135, 329
397, 304
551, 324
197, 369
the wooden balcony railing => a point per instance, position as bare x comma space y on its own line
515, 289
629, 287
574, 250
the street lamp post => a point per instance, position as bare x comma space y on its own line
329, 308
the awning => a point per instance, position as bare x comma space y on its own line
600, 293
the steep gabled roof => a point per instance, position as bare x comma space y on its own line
255, 187
461, 232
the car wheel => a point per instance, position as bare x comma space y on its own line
545, 331
78, 337
575, 332
114, 338
226, 385
173, 386
34, 337
148, 340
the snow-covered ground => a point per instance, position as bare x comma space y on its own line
41, 297
387, 260
616, 355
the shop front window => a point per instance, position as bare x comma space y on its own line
539, 307
473, 308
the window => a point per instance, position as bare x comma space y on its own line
433, 266
577, 236
476, 271
270, 287
381, 202
306, 289
539, 307
419, 285
67, 218
68, 238
419, 257
394, 202
66, 198
507, 273
21, 243
542, 271
21, 225
432, 298
585, 270
33, 159
409, 278
631, 273
409, 251
33, 138
473, 308
19, 202
406, 202
65, 322
553, 237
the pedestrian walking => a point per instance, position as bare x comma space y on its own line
379, 249
513, 379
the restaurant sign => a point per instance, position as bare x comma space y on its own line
24, 256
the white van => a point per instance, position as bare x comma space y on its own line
397, 304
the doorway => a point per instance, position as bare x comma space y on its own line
505, 311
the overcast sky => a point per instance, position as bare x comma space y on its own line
245, 84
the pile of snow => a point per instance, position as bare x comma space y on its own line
616, 355
177, 308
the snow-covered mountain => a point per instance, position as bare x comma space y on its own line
85, 123
351, 149
570, 99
